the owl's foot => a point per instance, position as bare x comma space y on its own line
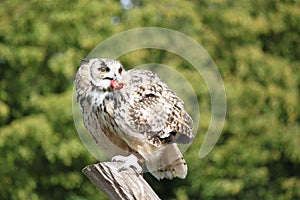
129, 161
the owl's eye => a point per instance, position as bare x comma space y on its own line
103, 69
120, 70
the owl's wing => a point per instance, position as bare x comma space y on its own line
153, 110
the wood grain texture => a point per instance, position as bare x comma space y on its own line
117, 184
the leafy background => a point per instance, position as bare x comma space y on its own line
255, 44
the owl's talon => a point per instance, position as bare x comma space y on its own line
129, 161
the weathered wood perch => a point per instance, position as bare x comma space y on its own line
116, 184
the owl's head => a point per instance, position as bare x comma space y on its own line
105, 74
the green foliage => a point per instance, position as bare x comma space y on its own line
255, 45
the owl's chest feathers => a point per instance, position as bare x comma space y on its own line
109, 108
102, 103
102, 107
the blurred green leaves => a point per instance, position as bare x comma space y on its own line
255, 44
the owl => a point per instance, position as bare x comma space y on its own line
133, 114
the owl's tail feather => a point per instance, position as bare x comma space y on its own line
168, 163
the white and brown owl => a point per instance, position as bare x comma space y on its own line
132, 113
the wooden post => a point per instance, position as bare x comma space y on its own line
117, 184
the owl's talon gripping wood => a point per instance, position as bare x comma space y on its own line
128, 161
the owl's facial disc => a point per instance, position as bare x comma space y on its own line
106, 74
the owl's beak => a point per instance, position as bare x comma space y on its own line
116, 85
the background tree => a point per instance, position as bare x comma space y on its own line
255, 45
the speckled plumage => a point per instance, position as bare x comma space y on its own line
140, 114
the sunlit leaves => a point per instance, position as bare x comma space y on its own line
255, 45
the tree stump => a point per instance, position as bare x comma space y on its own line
117, 184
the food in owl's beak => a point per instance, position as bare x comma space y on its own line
117, 85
